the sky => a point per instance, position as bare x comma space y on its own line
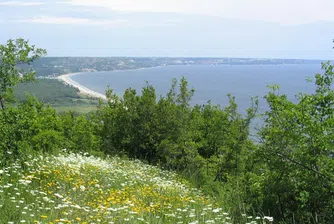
174, 28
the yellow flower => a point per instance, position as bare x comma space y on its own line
43, 216
78, 219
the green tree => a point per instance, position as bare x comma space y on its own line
13, 57
297, 150
25, 128
80, 132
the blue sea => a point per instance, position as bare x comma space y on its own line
210, 82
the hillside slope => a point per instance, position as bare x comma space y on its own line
74, 188
55, 93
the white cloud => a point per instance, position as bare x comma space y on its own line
96, 22
73, 21
280, 11
20, 3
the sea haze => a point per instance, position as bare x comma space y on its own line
210, 82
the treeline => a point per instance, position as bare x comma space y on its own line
287, 174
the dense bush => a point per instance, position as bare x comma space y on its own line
297, 149
33, 127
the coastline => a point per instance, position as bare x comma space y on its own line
66, 78
130, 69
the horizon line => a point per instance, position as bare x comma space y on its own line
191, 57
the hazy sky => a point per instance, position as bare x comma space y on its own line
190, 28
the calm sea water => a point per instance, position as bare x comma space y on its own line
210, 82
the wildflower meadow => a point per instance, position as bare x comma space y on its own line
77, 188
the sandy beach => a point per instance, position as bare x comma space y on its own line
83, 90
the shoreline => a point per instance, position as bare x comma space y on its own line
66, 78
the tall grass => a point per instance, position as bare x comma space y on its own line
75, 188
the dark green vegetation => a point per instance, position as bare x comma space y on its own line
288, 174
15, 52
57, 94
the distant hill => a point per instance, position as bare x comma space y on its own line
55, 66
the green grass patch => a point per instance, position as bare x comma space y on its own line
77, 108
60, 96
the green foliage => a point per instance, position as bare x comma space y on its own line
22, 124
13, 53
297, 154
33, 127
47, 140
80, 132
